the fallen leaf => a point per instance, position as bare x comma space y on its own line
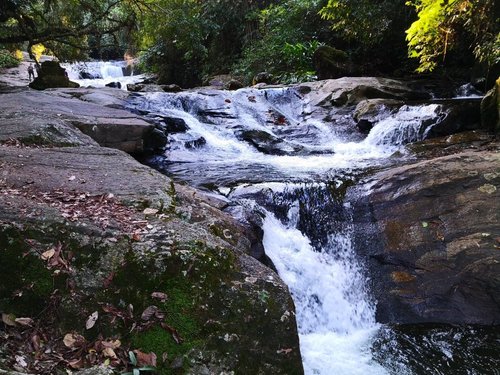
91, 320
48, 254
76, 363
9, 319
109, 353
159, 295
150, 211
149, 312
175, 335
115, 344
72, 178
24, 321
72, 340
145, 359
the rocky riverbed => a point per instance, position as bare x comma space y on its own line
103, 256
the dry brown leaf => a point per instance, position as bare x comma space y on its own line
72, 340
159, 295
48, 254
91, 320
76, 364
24, 321
115, 344
109, 353
145, 359
149, 312
9, 319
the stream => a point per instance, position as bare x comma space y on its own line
265, 151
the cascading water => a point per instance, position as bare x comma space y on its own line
265, 147
101, 73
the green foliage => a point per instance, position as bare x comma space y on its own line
7, 59
289, 35
364, 21
444, 25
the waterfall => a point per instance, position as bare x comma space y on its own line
100, 73
335, 316
264, 147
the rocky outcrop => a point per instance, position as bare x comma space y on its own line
330, 62
51, 75
109, 127
435, 243
96, 246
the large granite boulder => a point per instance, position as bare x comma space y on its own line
52, 75
431, 237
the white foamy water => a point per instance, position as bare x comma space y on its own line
103, 73
335, 316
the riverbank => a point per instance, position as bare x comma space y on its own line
102, 256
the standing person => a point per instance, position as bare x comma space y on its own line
31, 73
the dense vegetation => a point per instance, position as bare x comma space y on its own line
188, 41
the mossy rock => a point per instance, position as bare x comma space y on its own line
490, 109
330, 62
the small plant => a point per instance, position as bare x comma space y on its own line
7, 59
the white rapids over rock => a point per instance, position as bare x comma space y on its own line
335, 314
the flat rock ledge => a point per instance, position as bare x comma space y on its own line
96, 246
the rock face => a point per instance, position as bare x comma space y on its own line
437, 223
45, 112
86, 229
330, 62
52, 75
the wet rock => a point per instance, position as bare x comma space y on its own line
437, 223
268, 143
52, 75
114, 85
175, 125
370, 111
196, 143
456, 116
171, 88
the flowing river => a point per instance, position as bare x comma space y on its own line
265, 151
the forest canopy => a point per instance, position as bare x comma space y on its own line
187, 41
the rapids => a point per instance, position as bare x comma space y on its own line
267, 151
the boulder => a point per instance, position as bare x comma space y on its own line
370, 111
51, 75
268, 143
114, 85
234, 85
432, 234
350, 91
330, 62
490, 109
263, 77
171, 88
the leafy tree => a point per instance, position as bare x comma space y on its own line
66, 26
371, 31
289, 32
444, 25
